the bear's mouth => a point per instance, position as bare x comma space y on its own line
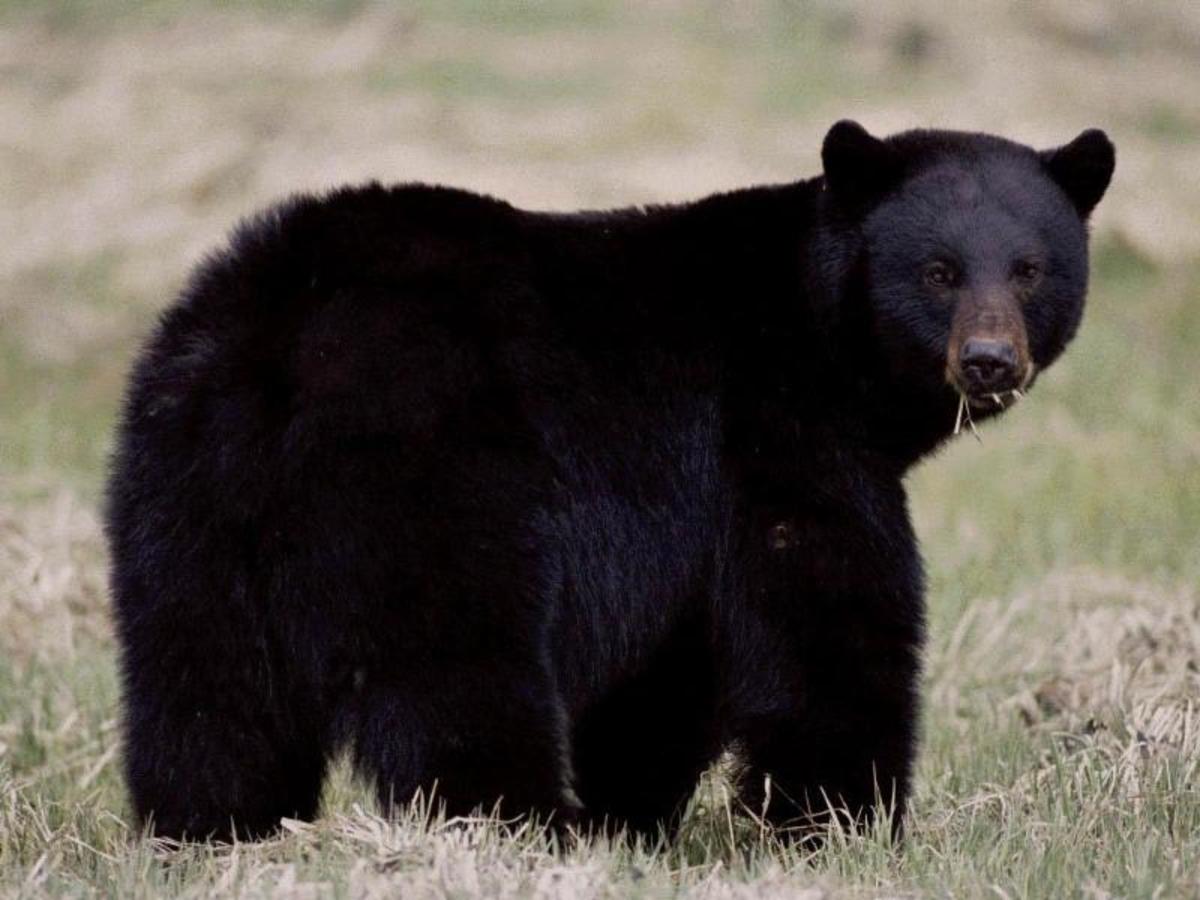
976, 399
989, 400
996, 400
985, 402
990, 392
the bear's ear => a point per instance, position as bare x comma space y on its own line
859, 168
1082, 168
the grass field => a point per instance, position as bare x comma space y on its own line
1061, 736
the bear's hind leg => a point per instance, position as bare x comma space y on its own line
460, 699
476, 737
211, 752
640, 751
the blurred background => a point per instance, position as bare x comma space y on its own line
1062, 550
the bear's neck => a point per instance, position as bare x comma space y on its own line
787, 275
761, 289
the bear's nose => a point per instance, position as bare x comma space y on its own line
988, 365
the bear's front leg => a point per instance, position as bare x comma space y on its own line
829, 691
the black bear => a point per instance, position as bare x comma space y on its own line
549, 510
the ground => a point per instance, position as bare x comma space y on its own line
1061, 739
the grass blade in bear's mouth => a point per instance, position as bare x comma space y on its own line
964, 412
998, 399
965, 401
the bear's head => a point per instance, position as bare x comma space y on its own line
973, 252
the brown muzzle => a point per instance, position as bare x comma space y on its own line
989, 348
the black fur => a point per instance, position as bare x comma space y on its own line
554, 508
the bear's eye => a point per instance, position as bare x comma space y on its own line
1027, 271
940, 275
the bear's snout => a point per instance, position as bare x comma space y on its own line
988, 366
988, 353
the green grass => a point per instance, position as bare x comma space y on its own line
62, 360
1060, 738
464, 77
